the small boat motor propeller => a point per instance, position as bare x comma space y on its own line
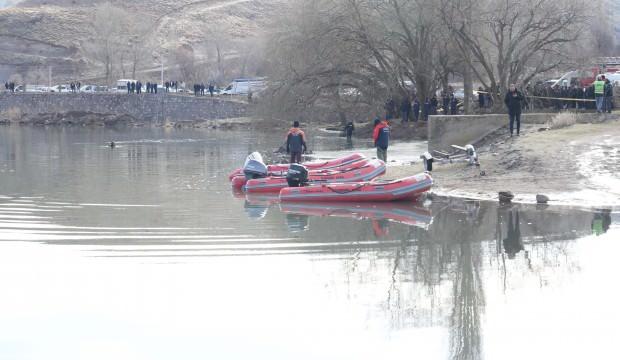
297, 175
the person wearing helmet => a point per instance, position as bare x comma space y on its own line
295, 143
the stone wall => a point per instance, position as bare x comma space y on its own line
144, 107
446, 130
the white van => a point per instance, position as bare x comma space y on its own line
244, 86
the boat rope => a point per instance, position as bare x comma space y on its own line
356, 188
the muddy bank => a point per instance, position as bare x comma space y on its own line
574, 165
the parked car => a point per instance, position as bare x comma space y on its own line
60, 88
93, 88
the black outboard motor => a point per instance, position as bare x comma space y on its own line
254, 167
297, 175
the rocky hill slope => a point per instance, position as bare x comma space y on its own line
36, 34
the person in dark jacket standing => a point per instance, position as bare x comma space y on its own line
454, 104
445, 102
434, 105
426, 111
416, 109
348, 130
609, 95
405, 109
390, 108
514, 101
381, 137
295, 143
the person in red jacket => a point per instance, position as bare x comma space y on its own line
295, 143
381, 137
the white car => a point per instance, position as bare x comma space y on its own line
60, 88
93, 88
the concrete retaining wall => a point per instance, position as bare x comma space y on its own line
446, 130
144, 107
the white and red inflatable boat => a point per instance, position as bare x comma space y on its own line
359, 171
280, 169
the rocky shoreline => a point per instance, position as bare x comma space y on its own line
68, 118
81, 118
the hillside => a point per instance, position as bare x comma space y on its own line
36, 34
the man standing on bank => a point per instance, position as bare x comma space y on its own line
295, 143
514, 101
381, 136
599, 93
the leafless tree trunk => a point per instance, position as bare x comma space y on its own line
513, 41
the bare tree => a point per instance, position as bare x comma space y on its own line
109, 37
513, 41
329, 50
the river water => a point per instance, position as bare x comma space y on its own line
143, 252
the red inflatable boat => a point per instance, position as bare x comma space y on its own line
362, 171
279, 169
239, 181
403, 189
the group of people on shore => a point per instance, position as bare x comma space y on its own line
134, 87
603, 94
171, 85
9, 86
411, 110
200, 89
75, 86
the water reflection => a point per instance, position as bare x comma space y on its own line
601, 221
512, 241
437, 269
452, 240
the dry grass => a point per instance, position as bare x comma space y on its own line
12, 114
562, 120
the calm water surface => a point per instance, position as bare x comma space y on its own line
143, 252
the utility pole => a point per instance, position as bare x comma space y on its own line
49, 77
162, 70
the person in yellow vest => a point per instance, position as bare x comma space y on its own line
599, 93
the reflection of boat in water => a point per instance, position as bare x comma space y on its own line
257, 205
405, 213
